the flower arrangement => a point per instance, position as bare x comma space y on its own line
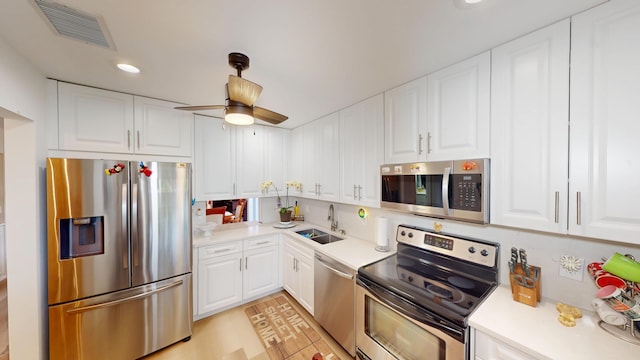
289, 184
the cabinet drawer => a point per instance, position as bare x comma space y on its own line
260, 242
487, 347
210, 251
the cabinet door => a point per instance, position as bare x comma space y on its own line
405, 122
290, 279
604, 201
309, 165
327, 157
249, 160
486, 348
219, 282
529, 130
458, 110
160, 129
296, 166
276, 151
215, 159
261, 269
91, 119
361, 152
305, 274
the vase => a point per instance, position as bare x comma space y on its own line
285, 216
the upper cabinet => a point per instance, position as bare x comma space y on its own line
214, 159
97, 120
529, 130
458, 123
361, 133
276, 162
604, 201
321, 158
405, 122
250, 156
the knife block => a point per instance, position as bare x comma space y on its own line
526, 295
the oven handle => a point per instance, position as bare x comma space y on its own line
402, 306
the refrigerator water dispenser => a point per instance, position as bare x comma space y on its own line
81, 237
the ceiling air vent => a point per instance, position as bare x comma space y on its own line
75, 24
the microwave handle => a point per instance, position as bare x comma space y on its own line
445, 190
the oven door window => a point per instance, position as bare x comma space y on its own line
425, 190
398, 335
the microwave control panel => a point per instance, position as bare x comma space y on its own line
466, 192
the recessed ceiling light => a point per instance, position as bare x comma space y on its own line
128, 68
472, 1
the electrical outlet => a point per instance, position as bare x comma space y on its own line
571, 267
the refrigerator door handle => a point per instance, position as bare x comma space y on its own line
125, 228
134, 223
124, 300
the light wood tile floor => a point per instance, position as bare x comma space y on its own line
229, 336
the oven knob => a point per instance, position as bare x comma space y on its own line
403, 233
410, 235
410, 279
484, 252
472, 250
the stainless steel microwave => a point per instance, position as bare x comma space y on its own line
456, 189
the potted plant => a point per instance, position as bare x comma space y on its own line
285, 211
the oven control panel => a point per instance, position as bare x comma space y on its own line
475, 251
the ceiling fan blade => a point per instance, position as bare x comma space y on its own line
243, 91
200, 107
268, 115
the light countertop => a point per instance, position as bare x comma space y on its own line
350, 251
537, 332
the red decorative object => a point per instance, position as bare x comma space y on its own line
469, 165
117, 168
144, 170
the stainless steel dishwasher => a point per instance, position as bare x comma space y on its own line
334, 300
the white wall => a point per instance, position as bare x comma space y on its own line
543, 250
22, 105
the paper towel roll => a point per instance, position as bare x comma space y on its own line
382, 240
607, 314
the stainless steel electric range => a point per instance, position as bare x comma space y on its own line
416, 303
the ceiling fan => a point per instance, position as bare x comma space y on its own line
241, 94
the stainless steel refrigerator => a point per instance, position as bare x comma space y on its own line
119, 257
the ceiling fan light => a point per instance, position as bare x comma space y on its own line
238, 115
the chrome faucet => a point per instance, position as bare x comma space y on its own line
334, 223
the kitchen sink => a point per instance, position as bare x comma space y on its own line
318, 236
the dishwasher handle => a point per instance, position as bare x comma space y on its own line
334, 270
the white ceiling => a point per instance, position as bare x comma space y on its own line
312, 57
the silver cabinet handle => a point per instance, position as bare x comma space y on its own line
557, 218
128, 139
420, 137
428, 143
217, 251
234, 189
354, 191
124, 300
359, 192
246, 263
445, 190
240, 264
138, 138
578, 208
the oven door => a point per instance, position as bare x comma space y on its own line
386, 328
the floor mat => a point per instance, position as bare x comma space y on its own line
285, 333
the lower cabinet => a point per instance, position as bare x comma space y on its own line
229, 274
489, 348
297, 272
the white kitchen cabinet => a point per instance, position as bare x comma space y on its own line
91, 119
214, 159
458, 116
405, 122
261, 266
529, 130
250, 156
321, 165
276, 162
297, 272
219, 278
486, 347
235, 272
361, 134
296, 166
604, 201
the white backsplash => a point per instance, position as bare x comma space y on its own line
543, 250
